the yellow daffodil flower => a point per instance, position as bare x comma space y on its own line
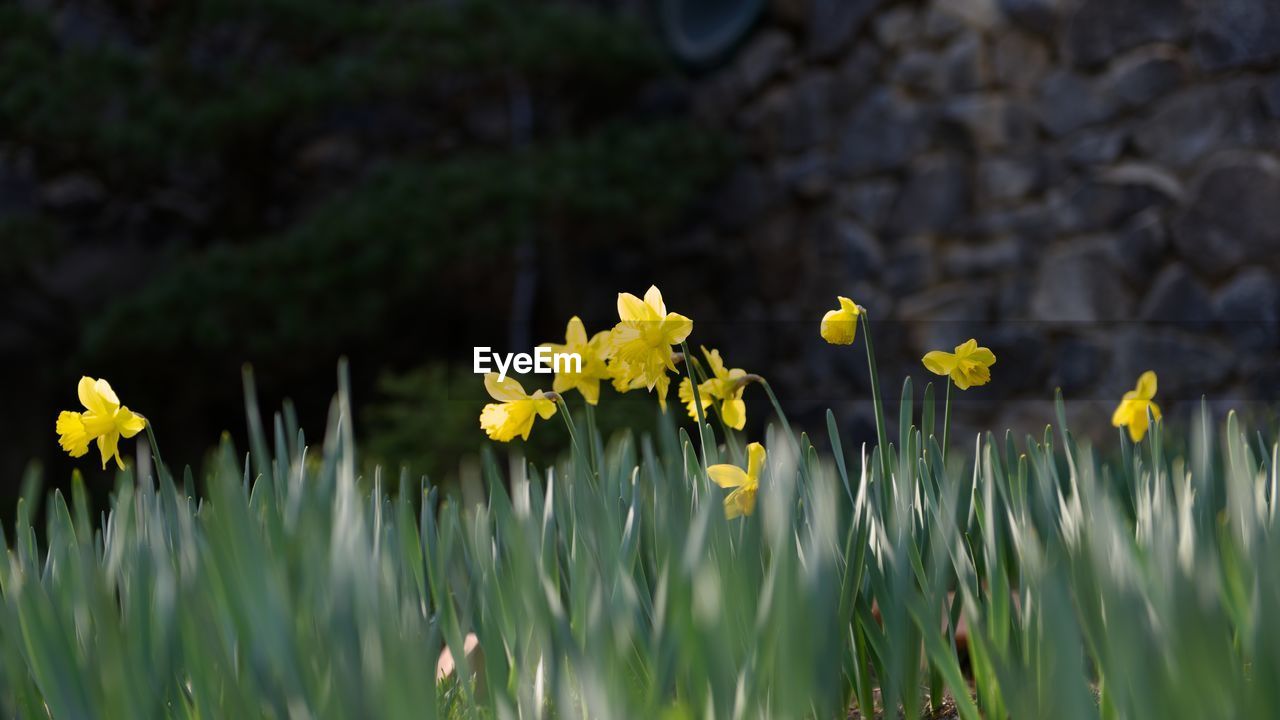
513, 414
969, 366
724, 386
640, 345
1132, 411
742, 501
104, 420
839, 327
592, 352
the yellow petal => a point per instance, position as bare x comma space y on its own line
72, 435
653, 298
940, 363
982, 356
715, 363
967, 347
675, 328
632, 308
1138, 425
727, 476
1120, 417
544, 406
755, 460
129, 423
960, 379
734, 413
1146, 388
87, 390
849, 306
740, 502
575, 333
505, 390
590, 389
838, 327
1155, 410
108, 445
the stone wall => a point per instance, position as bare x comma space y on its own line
1090, 187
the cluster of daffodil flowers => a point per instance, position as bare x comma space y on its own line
640, 351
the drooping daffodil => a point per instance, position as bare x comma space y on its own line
593, 352
104, 420
1132, 411
724, 387
745, 484
840, 326
969, 366
640, 346
514, 412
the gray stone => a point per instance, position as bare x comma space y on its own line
936, 195
808, 176
1077, 365
1144, 75
73, 192
833, 23
897, 26
1019, 61
1040, 16
964, 64
1248, 310
860, 253
918, 70
1028, 220
1020, 358
1101, 29
1107, 200
1189, 124
949, 16
806, 120
857, 71
1232, 218
869, 201
984, 118
1080, 282
761, 59
1069, 101
883, 133
1142, 244
946, 315
1093, 146
1233, 34
1177, 298
985, 259
1187, 365
911, 266
1271, 95
747, 195
1009, 178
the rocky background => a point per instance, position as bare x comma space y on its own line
1087, 186
1090, 187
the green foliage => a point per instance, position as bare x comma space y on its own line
610, 584
426, 419
360, 267
222, 76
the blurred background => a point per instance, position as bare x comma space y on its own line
1090, 187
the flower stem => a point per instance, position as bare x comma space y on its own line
697, 400
155, 451
946, 423
593, 433
573, 436
882, 448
